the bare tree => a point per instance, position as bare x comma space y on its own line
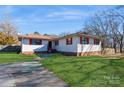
113, 32
98, 25
8, 32
64, 34
109, 26
117, 27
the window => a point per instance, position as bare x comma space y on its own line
96, 41
84, 40
56, 42
25, 41
69, 41
36, 42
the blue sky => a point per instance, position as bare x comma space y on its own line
49, 19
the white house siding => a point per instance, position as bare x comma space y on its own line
89, 47
67, 48
77, 47
35, 48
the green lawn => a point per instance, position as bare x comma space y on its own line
87, 71
13, 57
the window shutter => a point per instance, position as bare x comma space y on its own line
94, 40
71, 40
30, 41
66, 41
81, 40
87, 40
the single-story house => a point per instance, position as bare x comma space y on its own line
78, 44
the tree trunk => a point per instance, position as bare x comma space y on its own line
115, 48
121, 45
103, 46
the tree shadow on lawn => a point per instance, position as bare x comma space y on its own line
111, 64
61, 61
109, 78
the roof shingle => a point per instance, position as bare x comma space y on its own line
33, 36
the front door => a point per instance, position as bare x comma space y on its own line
49, 46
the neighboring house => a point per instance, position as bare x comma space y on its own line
78, 44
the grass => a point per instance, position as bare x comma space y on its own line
13, 57
88, 71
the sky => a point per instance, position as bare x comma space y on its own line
49, 19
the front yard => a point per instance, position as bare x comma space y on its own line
78, 71
87, 71
13, 57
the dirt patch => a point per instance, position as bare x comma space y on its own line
114, 56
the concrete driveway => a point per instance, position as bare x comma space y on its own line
28, 74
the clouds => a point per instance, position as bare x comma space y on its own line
49, 18
41, 14
52, 17
65, 15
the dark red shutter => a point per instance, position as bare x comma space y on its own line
94, 40
30, 41
71, 40
87, 40
81, 40
66, 41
